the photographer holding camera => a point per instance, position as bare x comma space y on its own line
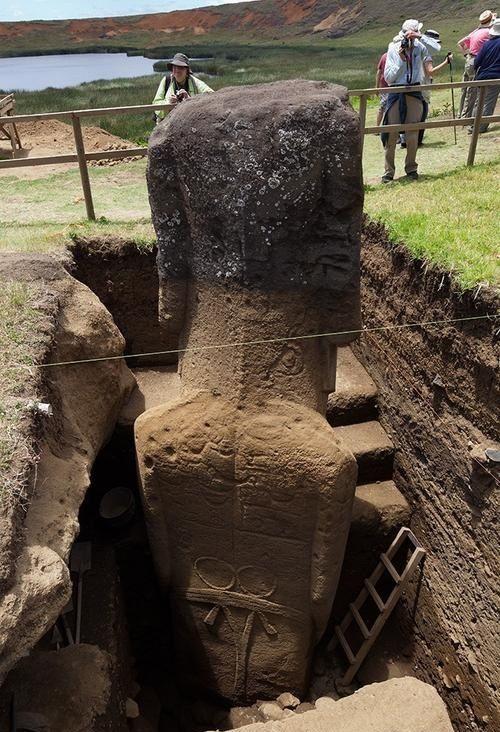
180, 85
406, 57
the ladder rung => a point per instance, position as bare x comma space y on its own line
345, 645
390, 567
357, 617
376, 597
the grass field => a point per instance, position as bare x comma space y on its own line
350, 61
447, 218
52, 208
18, 326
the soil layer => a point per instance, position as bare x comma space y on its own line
125, 279
439, 399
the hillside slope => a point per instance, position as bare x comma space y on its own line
270, 19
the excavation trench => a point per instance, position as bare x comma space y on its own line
123, 610
421, 460
435, 392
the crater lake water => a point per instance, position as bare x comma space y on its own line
32, 73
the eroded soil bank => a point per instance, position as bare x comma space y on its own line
439, 401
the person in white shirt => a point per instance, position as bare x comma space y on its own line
432, 41
404, 66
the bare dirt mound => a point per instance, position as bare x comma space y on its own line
53, 137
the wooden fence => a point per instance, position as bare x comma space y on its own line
82, 157
8, 128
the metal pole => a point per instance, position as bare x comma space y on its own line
362, 119
477, 125
82, 163
452, 95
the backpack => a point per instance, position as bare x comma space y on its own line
168, 81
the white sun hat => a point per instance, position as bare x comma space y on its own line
412, 25
495, 28
431, 39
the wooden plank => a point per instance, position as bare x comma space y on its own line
398, 540
345, 645
361, 623
132, 152
423, 87
97, 112
362, 119
82, 164
413, 562
459, 122
17, 136
411, 536
4, 131
12, 140
478, 121
7, 104
374, 594
390, 567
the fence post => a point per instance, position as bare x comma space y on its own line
82, 163
477, 125
362, 118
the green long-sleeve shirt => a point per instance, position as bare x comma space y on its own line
194, 86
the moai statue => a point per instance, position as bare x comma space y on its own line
256, 197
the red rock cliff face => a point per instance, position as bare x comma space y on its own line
262, 17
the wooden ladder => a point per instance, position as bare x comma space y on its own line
355, 615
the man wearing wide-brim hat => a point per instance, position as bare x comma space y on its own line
487, 65
470, 46
180, 85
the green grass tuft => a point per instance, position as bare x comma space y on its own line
18, 325
449, 220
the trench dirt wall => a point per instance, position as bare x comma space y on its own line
124, 277
439, 401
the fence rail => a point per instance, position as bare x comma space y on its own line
475, 122
82, 157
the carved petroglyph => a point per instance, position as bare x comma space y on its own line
247, 495
246, 589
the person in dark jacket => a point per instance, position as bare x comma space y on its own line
487, 65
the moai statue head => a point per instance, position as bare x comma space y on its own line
256, 197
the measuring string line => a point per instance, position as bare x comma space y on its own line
239, 344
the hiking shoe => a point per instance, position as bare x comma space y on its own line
413, 175
387, 178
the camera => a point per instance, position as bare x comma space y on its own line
405, 43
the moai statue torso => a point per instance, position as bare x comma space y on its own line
256, 200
